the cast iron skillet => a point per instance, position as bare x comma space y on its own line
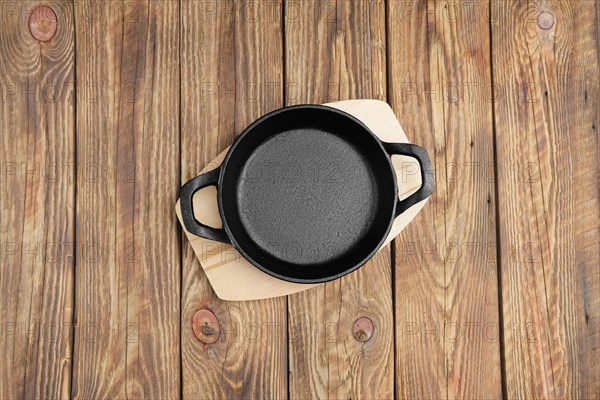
306, 193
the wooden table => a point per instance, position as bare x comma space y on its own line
493, 291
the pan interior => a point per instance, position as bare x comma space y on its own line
311, 198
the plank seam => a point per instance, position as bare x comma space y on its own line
284, 100
393, 243
178, 226
75, 183
497, 215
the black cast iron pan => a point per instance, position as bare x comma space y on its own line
306, 193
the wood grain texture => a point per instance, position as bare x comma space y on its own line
446, 304
231, 60
92, 156
547, 128
37, 205
128, 265
336, 51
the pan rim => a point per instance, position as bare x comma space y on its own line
240, 248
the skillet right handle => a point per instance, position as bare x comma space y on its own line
186, 195
427, 179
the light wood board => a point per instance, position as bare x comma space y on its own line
231, 275
129, 289
446, 287
37, 212
548, 210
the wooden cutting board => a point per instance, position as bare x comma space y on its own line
234, 278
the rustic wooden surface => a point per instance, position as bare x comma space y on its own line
446, 300
127, 291
548, 214
493, 291
37, 200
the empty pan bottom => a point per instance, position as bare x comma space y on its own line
307, 196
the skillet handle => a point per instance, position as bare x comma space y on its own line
427, 179
186, 194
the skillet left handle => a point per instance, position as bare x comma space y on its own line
427, 179
186, 195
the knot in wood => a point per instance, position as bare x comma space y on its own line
42, 23
545, 20
206, 326
363, 329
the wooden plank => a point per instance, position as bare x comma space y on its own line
128, 264
446, 304
335, 50
231, 63
37, 203
545, 58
